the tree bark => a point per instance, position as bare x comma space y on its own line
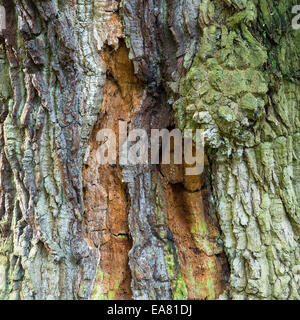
71, 229
50, 98
243, 90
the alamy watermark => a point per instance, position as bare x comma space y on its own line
2, 19
296, 18
163, 146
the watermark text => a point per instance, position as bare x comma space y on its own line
296, 18
136, 147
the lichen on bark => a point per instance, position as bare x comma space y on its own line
50, 101
243, 90
72, 229
162, 45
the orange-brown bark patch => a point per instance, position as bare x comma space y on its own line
106, 199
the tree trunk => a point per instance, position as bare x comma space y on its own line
73, 229
243, 90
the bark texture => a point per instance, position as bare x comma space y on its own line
71, 229
163, 37
50, 99
243, 89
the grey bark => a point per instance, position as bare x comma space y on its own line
50, 99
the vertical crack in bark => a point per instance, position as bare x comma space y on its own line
197, 236
163, 37
106, 199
